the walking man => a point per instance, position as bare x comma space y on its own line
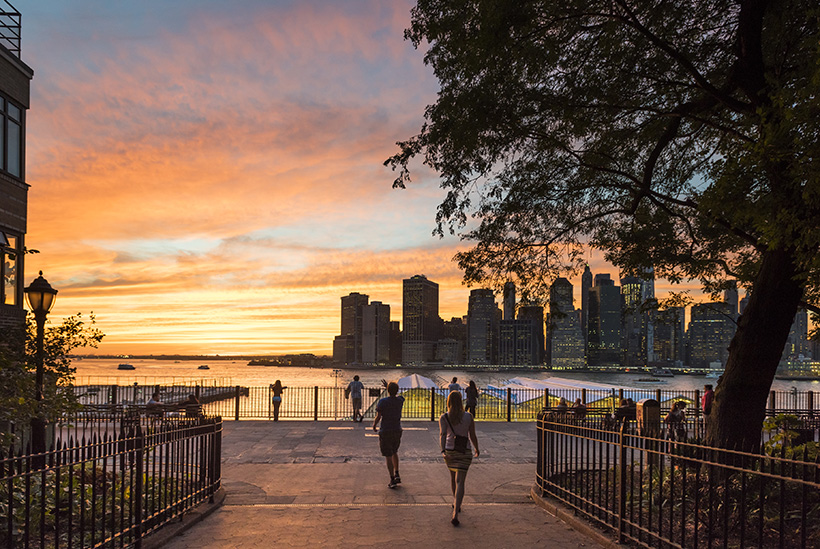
388, 411
355, 389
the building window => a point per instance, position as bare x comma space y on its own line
11, 137
8, 269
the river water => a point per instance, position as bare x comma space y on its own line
230, 373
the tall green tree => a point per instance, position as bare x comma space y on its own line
676, 135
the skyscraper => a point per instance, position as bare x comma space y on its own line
637, 346
604, 343
481, 327
731, 298
711, 329
422, 325
347, 346
586, 285
566, 344
670, 333
376, 333
509, 301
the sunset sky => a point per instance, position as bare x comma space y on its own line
206, 176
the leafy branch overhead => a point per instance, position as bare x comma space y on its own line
675, 135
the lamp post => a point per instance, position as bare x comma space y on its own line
40, 296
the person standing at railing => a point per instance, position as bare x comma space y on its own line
707, 399
454, 386
388, 412
579, 409
456, 431
354, 389
472, 398
276, 389
675, 422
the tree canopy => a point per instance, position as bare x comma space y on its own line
680, 136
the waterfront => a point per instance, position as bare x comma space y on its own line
235, 372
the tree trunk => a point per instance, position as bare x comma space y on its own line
739, 409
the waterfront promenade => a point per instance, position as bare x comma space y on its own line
324, 484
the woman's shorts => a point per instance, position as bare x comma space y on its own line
389, 442
458, 461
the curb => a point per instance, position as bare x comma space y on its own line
564, 514
191, 517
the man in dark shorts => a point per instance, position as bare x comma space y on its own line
388, 411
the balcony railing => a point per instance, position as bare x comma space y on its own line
10, 23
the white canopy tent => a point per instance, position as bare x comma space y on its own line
415, 381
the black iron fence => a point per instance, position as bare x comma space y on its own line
655, 492
109, 480
500, 404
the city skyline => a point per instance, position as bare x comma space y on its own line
207, 178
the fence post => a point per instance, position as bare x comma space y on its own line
546, 398
509, 404
197, 391
697, 403
112, 394
658, 395
432, 404
771, 401
584, 396
810, 402
138, 488
622, 485
237, 404
315, 403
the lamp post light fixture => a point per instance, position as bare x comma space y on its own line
40, 296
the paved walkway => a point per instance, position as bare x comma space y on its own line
323, 484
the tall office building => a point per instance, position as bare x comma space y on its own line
15, 80
376, 333
509, 301
797, 345
534, 316
565, 348
481, 327
586, 285
347, 347
422, 325
636, 342
670, 336
455, 330
604, 334
395, 343
711, 329
731, 298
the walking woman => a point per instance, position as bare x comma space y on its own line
472, 399
457, 429
276, 389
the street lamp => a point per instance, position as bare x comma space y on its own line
40, 296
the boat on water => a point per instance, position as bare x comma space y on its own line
204, 367
649, 380
125, 366
661, 372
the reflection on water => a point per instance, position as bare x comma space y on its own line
225, 372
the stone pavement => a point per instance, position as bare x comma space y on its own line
324, 484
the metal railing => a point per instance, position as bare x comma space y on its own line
10, 23
108, 481
654, 492
499, 404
